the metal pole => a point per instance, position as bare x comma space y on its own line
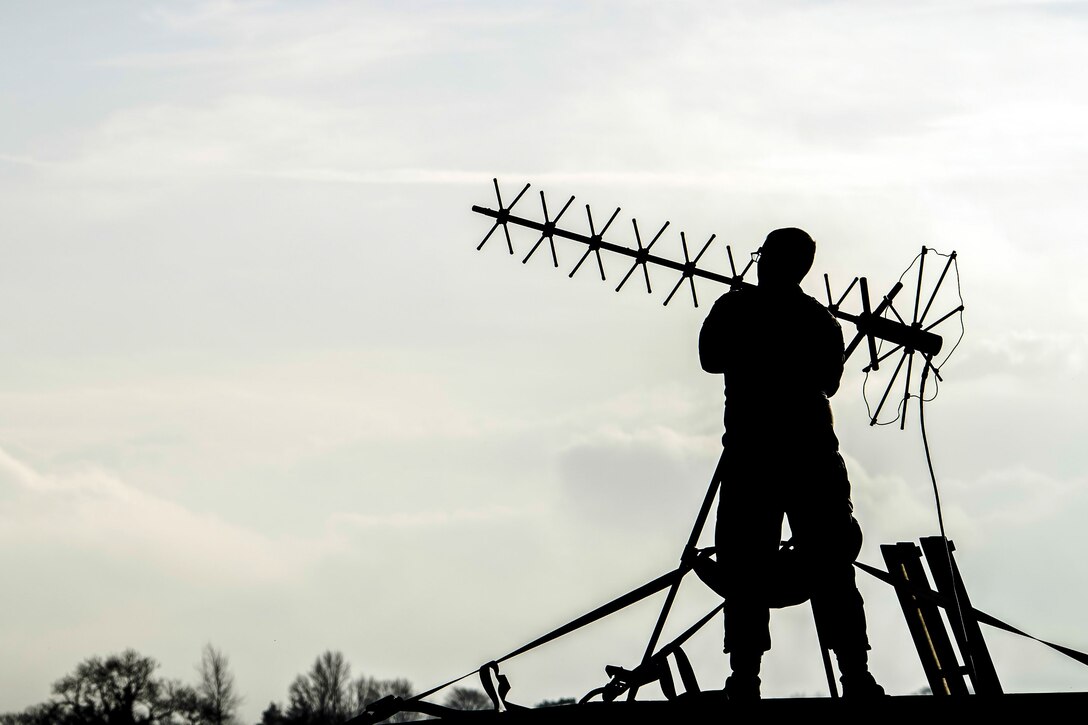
693, 539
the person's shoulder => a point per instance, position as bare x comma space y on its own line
735, 297
812, 303
805, 304
817, 311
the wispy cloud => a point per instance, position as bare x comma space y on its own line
30, 161
429, 519
101, 514
1035, 353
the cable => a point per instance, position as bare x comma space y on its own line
922, 400
968, 656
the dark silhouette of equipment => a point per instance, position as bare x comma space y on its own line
921, 610
951, 678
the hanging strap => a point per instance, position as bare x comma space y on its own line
687, 672
604, 610
655, 669
497, 686
983, 617
391, 705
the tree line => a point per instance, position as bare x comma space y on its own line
122, 689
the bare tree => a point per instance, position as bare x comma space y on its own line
47, 713
468, 698
218, 698
323, 695
119, 688
326, 695
178, 704
273, 715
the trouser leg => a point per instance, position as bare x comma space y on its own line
747, 536
821, 519
840, 612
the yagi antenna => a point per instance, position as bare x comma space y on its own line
881, 322
595, 242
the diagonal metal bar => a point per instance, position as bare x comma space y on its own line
545, 229
501, 220
676, 287
887, 390
642, 255
692, 263
487, 236
505, 228
940, 280
703, 250
686, 272
583, 258
896, 313
590, 247
548, 229
595, 240
691, 279
906, 390
918, 289
953, 312
638, 241
693, 541
751, 261
848, 288
551, 237
600, 237
867, 313
883, 357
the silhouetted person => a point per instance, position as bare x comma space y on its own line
781, 353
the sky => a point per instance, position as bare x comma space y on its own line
259, 389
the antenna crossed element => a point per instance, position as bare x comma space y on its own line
872, 323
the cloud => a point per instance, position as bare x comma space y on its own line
648, 480
427, 519
1016, 497
262, 42
1038, 355
234, 135
890, 508
28, 161
100, 515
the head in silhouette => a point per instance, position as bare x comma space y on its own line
785, 258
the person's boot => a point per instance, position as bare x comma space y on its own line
743, 684
857, 682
